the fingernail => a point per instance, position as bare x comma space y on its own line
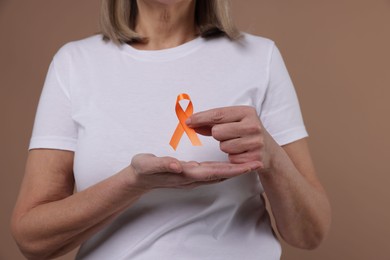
188, 121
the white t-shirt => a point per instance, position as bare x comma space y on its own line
107, 103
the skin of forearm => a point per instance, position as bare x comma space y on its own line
75, 241
301, 210
62, 225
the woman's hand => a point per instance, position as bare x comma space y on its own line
45, 223
297, 199
239, 131
152, 172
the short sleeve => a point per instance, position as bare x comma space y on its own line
54, 127
280, 111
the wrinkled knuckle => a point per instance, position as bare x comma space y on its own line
254, 128
217, 116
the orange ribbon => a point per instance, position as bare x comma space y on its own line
182, 127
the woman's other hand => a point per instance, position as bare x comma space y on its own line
297, 199
239, 131
152, 172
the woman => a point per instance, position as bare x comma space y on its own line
104, 122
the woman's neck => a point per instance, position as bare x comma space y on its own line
165, 26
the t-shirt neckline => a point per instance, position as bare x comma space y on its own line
164, 54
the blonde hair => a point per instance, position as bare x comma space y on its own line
118, 18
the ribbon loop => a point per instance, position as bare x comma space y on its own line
181, 126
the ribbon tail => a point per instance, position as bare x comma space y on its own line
176, 136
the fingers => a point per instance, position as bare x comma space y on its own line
252, 155
149, 164
238, 129
227, 131
162, 172
210, 171
241, 145
234, 130
218, 116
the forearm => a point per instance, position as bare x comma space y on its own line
49, 221
300, 208
53, 226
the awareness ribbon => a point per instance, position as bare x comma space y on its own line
181, 126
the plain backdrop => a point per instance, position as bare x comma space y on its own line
338, 55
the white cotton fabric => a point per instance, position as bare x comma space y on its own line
107, 103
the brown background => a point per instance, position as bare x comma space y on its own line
337, 52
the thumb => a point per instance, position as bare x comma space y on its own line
149, 164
